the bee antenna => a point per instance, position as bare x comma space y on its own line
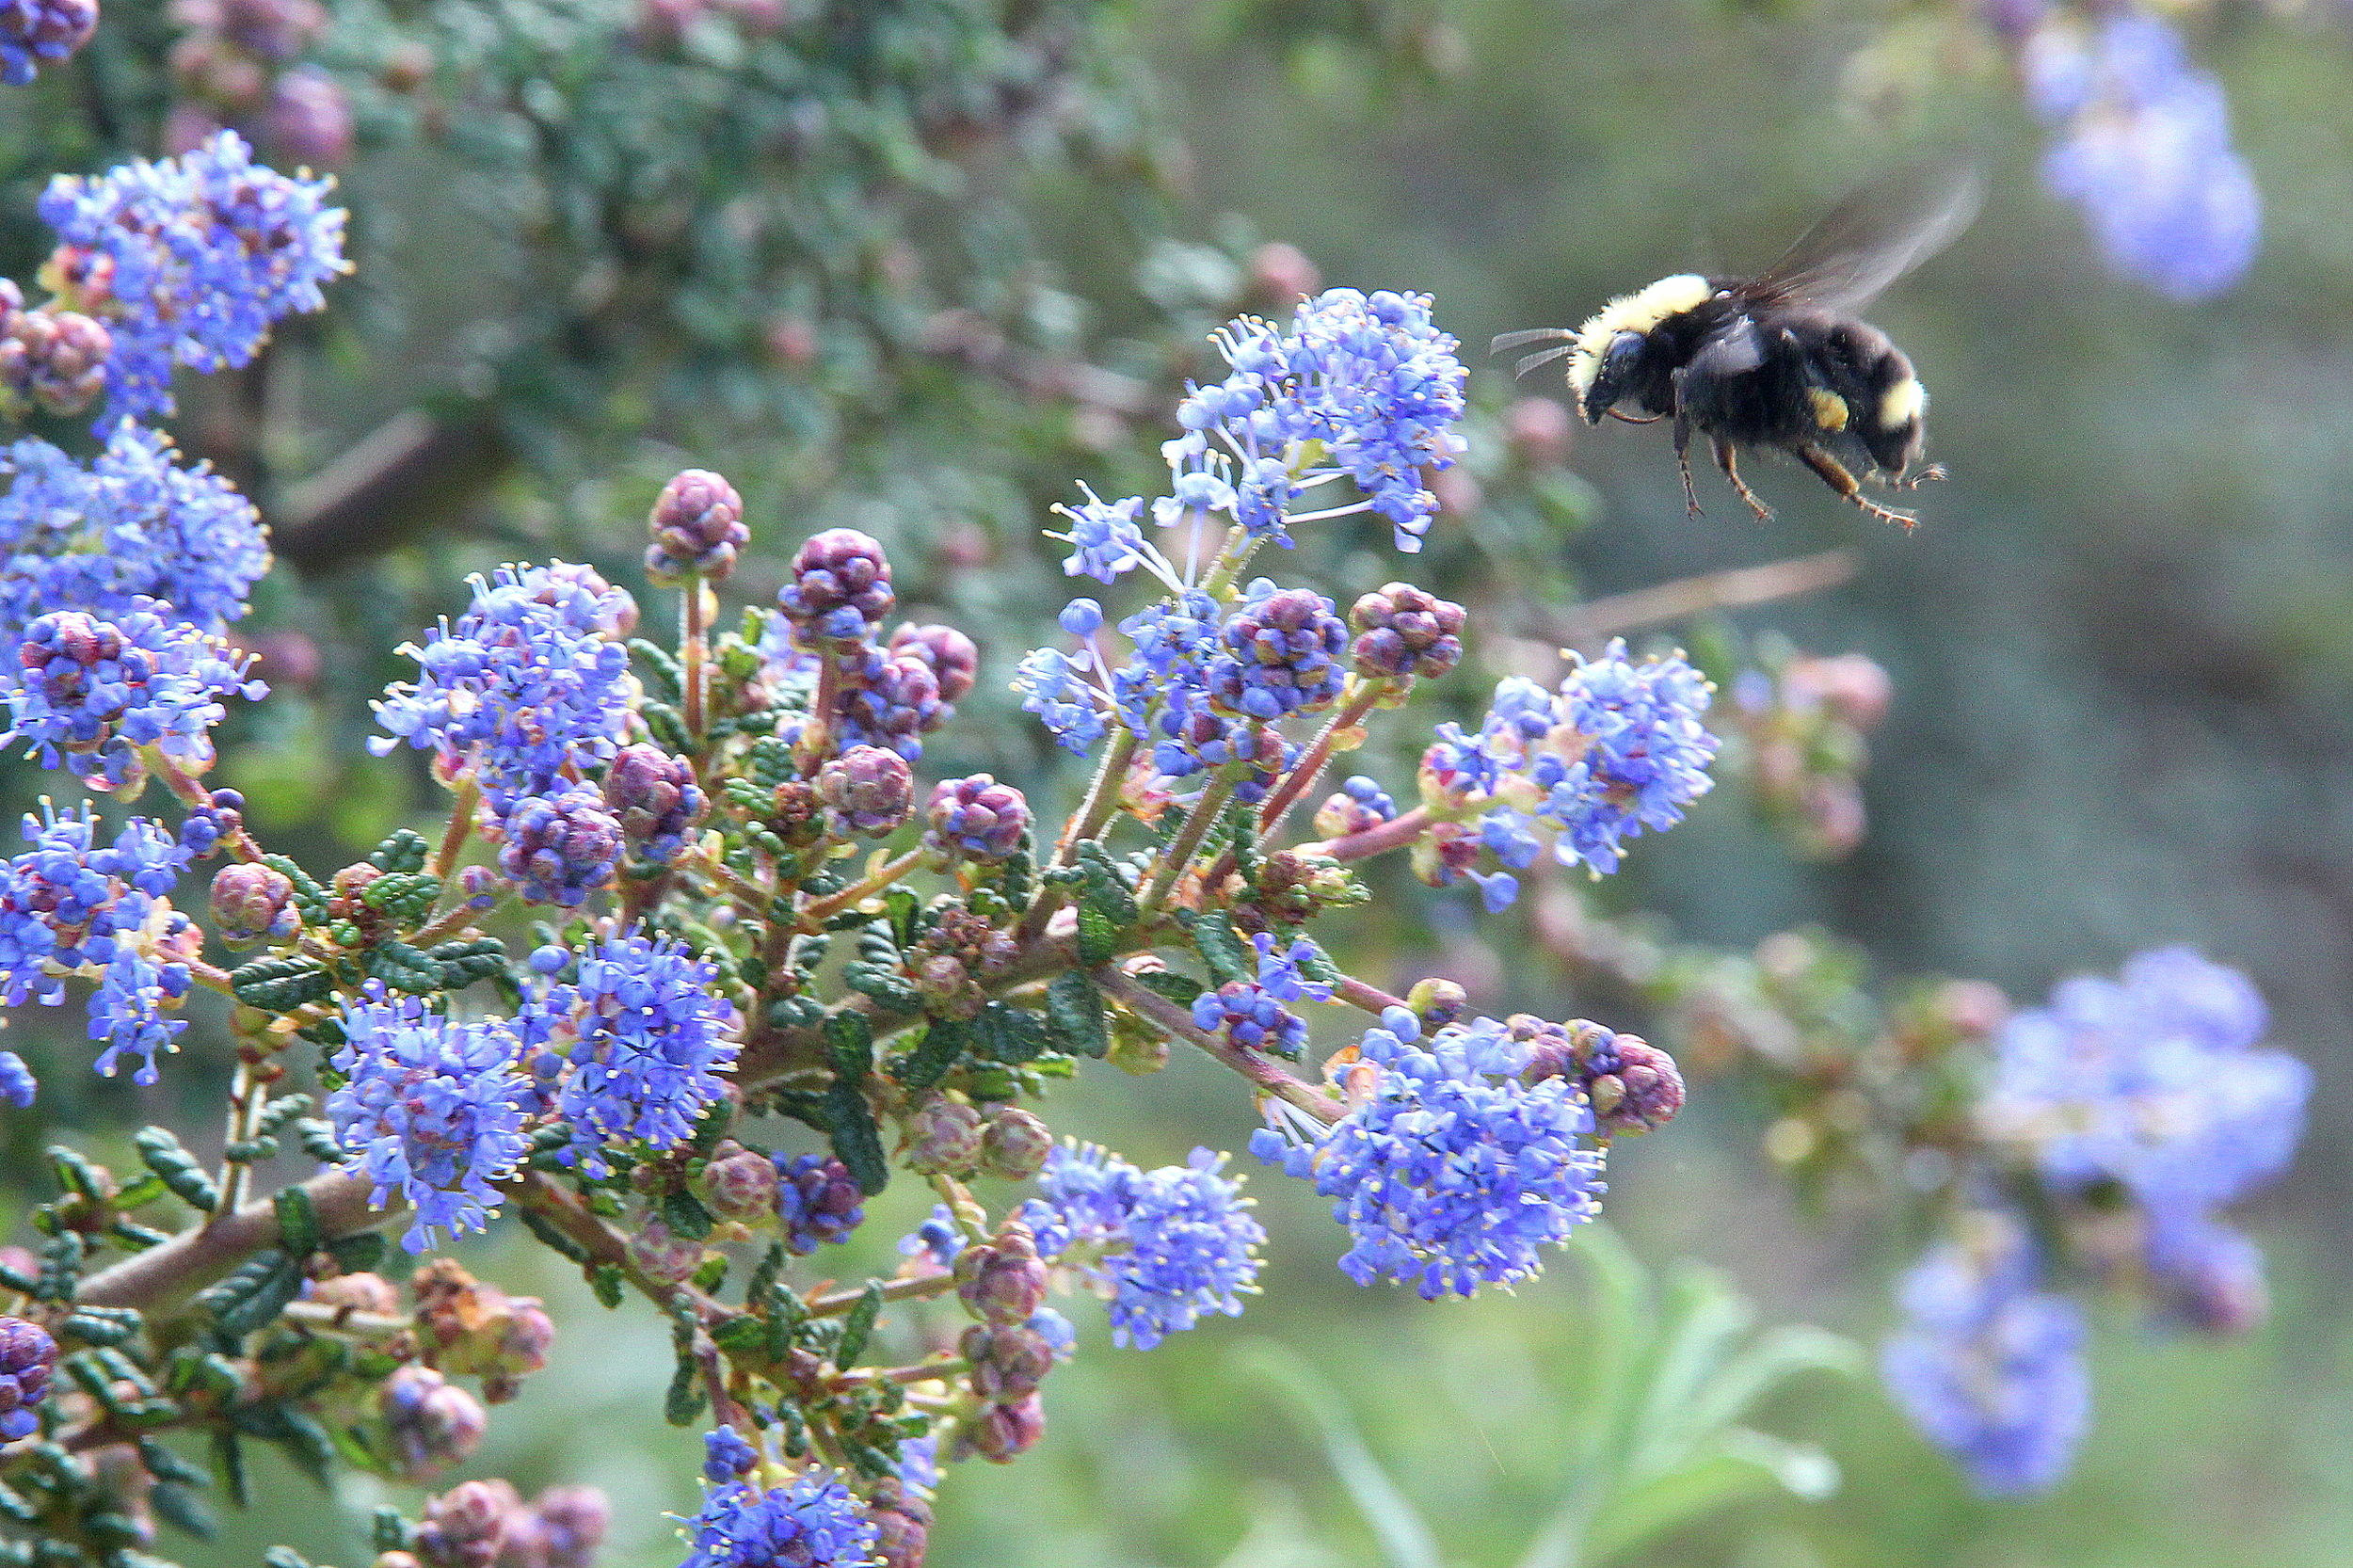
1506, 341
1545, 359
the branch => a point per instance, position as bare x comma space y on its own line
1590, 624
412, 471
174, 1270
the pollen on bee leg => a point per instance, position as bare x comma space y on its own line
1830, 409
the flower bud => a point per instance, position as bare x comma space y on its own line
467, 1526
818, 1200
1641, 1094
1438, 1002
955, 663
664, 1258
250, 903
697, 528
1015, 1143
1008, 1362
360, 1292
866, 789
1006, 1431
1402, 630
741, 1186
1539, 430
309, 119
572, 1523
977, 818
839, 588
560, 848
28, 1356
431, 1422
654, 798
903, 1525
943, 1138
1003, 1282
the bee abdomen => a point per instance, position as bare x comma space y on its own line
1878, 394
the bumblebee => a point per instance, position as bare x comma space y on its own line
1778, 361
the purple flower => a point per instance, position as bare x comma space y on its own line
643, 1036
818, 1200
1450, 1171
28, 1356
133, 523
528, 685
34, 31
813, 1522
430, 1108
208, 251
1279, 653
18, 1085
558, 849
1105, 537
977, 818
1161, 1246
839, 589
697, 528
2154, 1080
1252, 1017
1989, 1367
2146, 153
90, 692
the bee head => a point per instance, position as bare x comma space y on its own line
1614, 371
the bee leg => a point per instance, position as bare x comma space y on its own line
1727, 459
1683, 460
1835, 474
1934, 470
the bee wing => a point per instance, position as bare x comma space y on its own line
1874, 237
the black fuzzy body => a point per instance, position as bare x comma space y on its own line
1776, 377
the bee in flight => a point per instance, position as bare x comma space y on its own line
1780, 361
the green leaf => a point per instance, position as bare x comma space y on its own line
851, 1039
1178, 989
1742, 1465
1223, 950
685, 1215
856, 1139
298, 1220
1099, 938
943, 1045
1009, 1034
1405, 1539
357, 1253
1074, 1016
608, 1283
857, 1325
742, 1337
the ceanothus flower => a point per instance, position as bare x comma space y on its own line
528, 684
1363, 386
2154, 1080
643, 1036
1619, 748
430, 1108
813, 1521
18, 1086
1105, 537
1053, 685
34, 32
1450, 1171
78, 906
1163, 1247
2146, 153
1989, 1367
89, 692
1278, 653
208, 250
131, 524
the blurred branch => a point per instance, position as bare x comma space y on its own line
198, 1256
1595, 622
413, 470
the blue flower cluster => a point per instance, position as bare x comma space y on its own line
1991, 1368
2146, 151
2154, 1081
530, 684
205, 253
815, 1521
131, 524
1361, 385
1619, 748
76, 906
34, 32
1161, 1246
643, 1036
431, 1109
1450, 1171
88, 693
